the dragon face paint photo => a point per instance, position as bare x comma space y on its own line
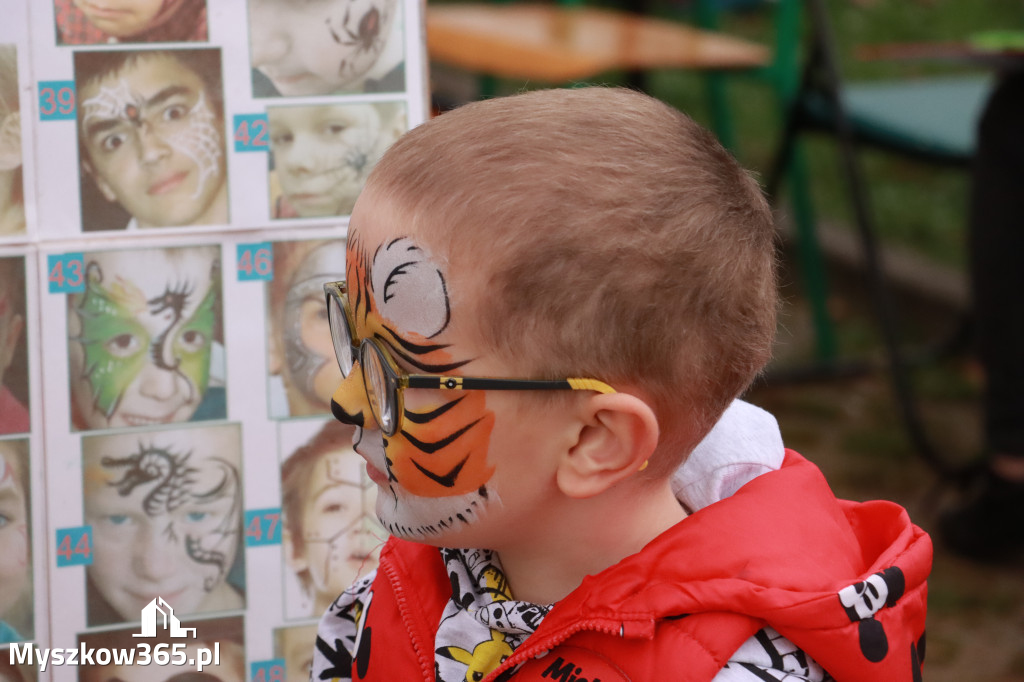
165, 508
322, 47
321, 155
152, 137
141, 337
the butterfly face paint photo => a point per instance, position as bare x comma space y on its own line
140, 339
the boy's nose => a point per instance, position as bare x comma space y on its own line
349, 404
152, 146
270, 39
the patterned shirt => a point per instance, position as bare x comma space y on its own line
186, 23
482, 625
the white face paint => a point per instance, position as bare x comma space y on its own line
154, 144
323, 154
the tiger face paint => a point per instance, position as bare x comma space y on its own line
141, 336
434, 472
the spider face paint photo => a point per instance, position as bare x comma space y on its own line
166, 512
152, 137
321, 47
140, 339
321, 155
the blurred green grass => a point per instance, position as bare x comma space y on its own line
919, 207
916, 206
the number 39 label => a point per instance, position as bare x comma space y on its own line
74, 546
66, 273
56, 100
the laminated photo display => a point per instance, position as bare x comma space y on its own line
176, 178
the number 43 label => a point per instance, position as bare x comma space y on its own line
74, 546
66, 273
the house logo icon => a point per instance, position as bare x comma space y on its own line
156, 612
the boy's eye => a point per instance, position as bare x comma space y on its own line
192, 340
123, 345
175, 112
4, 520
197, 516
281, 138
336, 128
117, 519
112, 142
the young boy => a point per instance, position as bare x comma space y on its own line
595, 240
322, 154
15, 543
326, 47
151, 135
12, 189
84, 22
14, 416
165, 509
300, 357
330, 534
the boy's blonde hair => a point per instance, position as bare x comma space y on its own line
615, 239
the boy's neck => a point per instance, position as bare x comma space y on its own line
587, 537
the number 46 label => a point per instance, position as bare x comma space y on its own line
74, 546
255, 262
66, 273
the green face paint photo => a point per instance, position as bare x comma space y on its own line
141, 336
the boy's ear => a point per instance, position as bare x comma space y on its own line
105, 189
10, 142
294, 555
619, 434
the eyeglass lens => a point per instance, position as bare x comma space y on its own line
377, 389
340, 335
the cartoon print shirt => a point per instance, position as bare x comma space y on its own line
481, 612
482, 625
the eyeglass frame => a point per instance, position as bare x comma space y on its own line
398, 379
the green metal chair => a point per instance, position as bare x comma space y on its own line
932, 120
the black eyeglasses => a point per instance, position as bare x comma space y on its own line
384, 381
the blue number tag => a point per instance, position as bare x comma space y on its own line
252, 133
263, 527
267, 671
255, 262
74, 546
65, 273
56, 100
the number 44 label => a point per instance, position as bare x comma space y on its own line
74, 546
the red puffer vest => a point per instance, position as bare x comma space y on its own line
844, 581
